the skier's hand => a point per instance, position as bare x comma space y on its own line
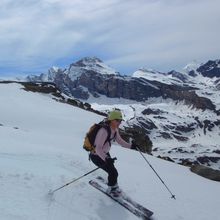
134, 145
110, 160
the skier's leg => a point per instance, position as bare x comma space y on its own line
112, 174
107, 167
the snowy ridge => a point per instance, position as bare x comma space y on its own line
193, 66
150, 75
170, 78
89, 64
75, 70
41, 149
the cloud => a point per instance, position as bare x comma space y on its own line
36, 34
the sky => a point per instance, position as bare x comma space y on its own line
126, 34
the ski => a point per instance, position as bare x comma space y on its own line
120, 201
125, 197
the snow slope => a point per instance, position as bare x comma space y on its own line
41, 149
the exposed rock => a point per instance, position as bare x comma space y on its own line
165, 135
50, 88
187, 162
137, 134
160, 117
210, 69
178, 75
168, 127
186, 127
217, 84
217, 122
182, 150
207, 159
43, 87
187, 95
199, 122
206, 172
208, 125
166, 158
111, 86
216, 151
146, 124
177, 130
196, 146
192, 73
180, 138
150, 111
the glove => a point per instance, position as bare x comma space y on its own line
110, 160
134, 145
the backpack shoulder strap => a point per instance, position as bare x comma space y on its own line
114, 137
108, 129
108, 139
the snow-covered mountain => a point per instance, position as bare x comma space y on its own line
178, 111
75, 70
91, 64
192, 74
41, 149
170, 78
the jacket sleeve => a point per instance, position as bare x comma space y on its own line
120, 141
99, 143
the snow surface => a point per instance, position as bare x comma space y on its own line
41, 149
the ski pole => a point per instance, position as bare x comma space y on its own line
52, 192
172, 195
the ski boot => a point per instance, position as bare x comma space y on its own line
114, 191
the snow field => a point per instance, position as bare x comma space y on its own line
41, 149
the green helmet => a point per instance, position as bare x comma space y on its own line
114, 115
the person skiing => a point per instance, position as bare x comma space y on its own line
101, 157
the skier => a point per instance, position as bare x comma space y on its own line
101, 156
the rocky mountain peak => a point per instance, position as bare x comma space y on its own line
89, 65
181, 76
191, 68
210, 69
88, 61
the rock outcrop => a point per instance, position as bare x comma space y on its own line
206, 172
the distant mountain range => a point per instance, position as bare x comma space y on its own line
178, 111
90, 77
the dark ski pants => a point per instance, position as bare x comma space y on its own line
107, 167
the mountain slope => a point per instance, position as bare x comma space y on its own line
41, 149
178, 109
